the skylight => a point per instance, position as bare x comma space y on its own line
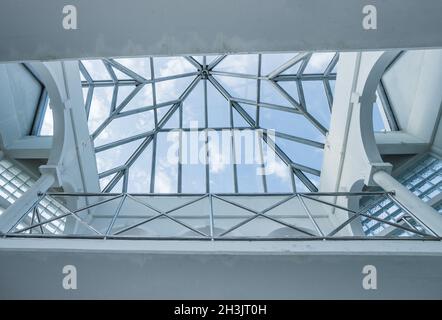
136, 105
141, 108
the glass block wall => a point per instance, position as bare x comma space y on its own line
424, 180
14, 182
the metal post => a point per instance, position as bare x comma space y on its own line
233, 148
211, 217
117, 212
318, 229
206, 125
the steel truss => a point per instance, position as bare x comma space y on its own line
30, 226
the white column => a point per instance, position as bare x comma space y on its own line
25, 202
430, 217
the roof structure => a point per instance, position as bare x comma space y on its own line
136, 105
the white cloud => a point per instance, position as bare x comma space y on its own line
141, 66
100, 105
96, 69
241, 63
139, 180
173, 66
219, 151
163, 181
319, 61
279, 169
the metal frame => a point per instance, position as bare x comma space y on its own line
425, 233
386, 110
206, 73
42, 105
203, 72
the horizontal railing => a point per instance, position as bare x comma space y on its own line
223, 216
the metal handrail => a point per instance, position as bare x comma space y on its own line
227, 198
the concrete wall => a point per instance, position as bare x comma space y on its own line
34, 31
414, 85
220, 270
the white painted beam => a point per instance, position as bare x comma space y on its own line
30, 147
33, 30
399, 142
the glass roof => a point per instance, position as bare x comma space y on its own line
143, 112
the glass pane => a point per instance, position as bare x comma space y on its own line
248, 161
270, 62
218, 108
123, 93
301, 153
168, 66
115, 157
171, 89
174, 119
319, 62
290, 123
316, 101
100, 107
96, 69
220, 164
47, 127
140, 66
193, 108
270, 94
277, 174
193, 162
105, 181
143, 98
238, 119
166, 167
239, 87
378, 122
239, 63
124, 127
140, 172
